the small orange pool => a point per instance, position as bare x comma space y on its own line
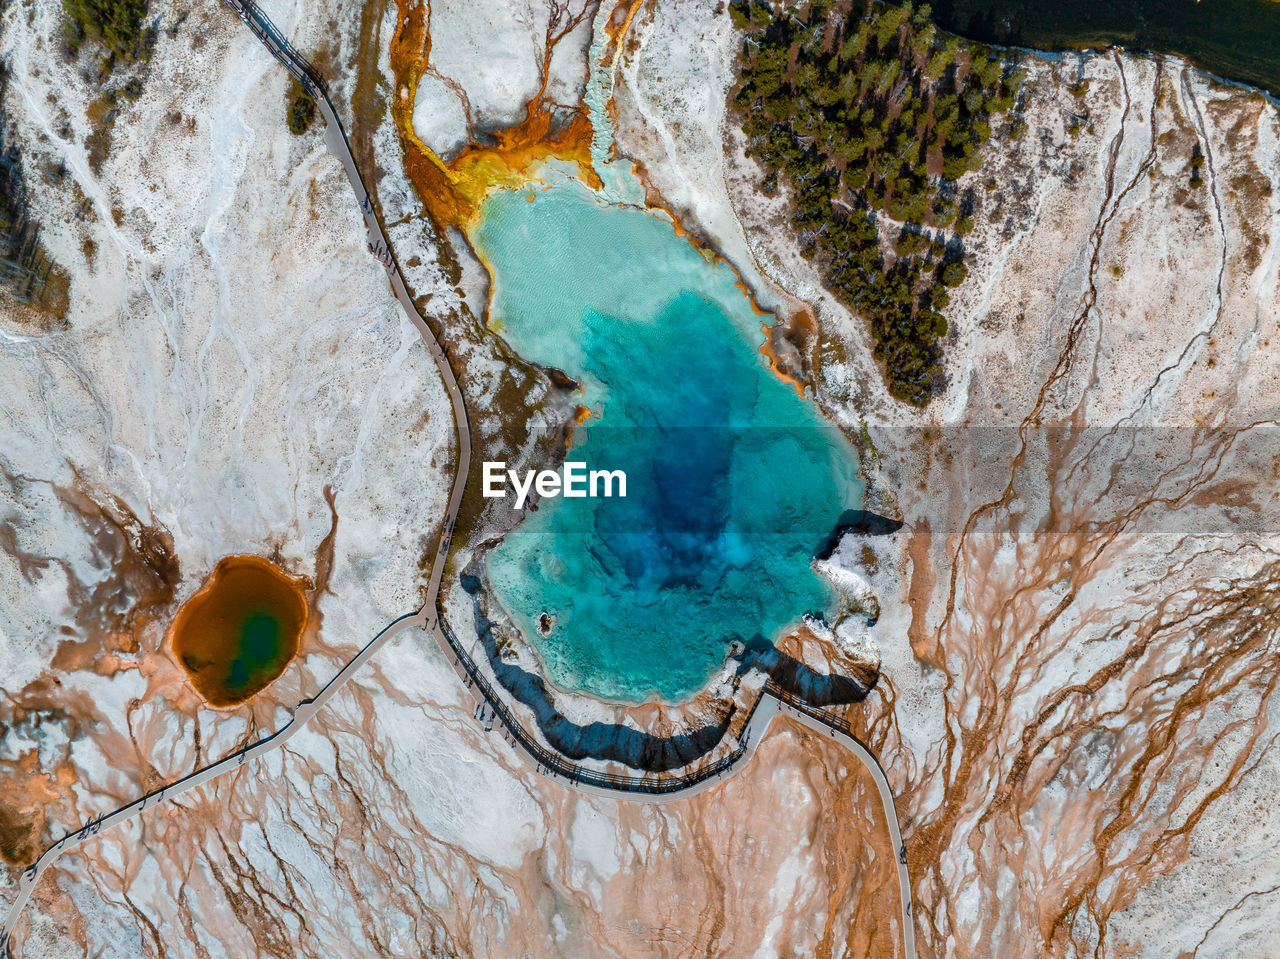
240, 629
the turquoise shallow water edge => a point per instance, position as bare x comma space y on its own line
733, 480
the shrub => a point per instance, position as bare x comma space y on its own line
953, 274
910, 243
116, 24
301, 108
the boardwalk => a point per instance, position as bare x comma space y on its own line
496, 716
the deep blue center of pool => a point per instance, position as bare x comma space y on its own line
733, 480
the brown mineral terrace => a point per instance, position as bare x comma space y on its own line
773, 700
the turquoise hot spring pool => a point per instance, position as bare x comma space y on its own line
734, 480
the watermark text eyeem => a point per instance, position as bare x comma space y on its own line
574, 481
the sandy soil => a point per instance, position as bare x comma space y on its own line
1077, 624
1077, 619
232, 353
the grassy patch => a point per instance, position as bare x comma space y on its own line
116, 24
101, 114
871, 114
301, 108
